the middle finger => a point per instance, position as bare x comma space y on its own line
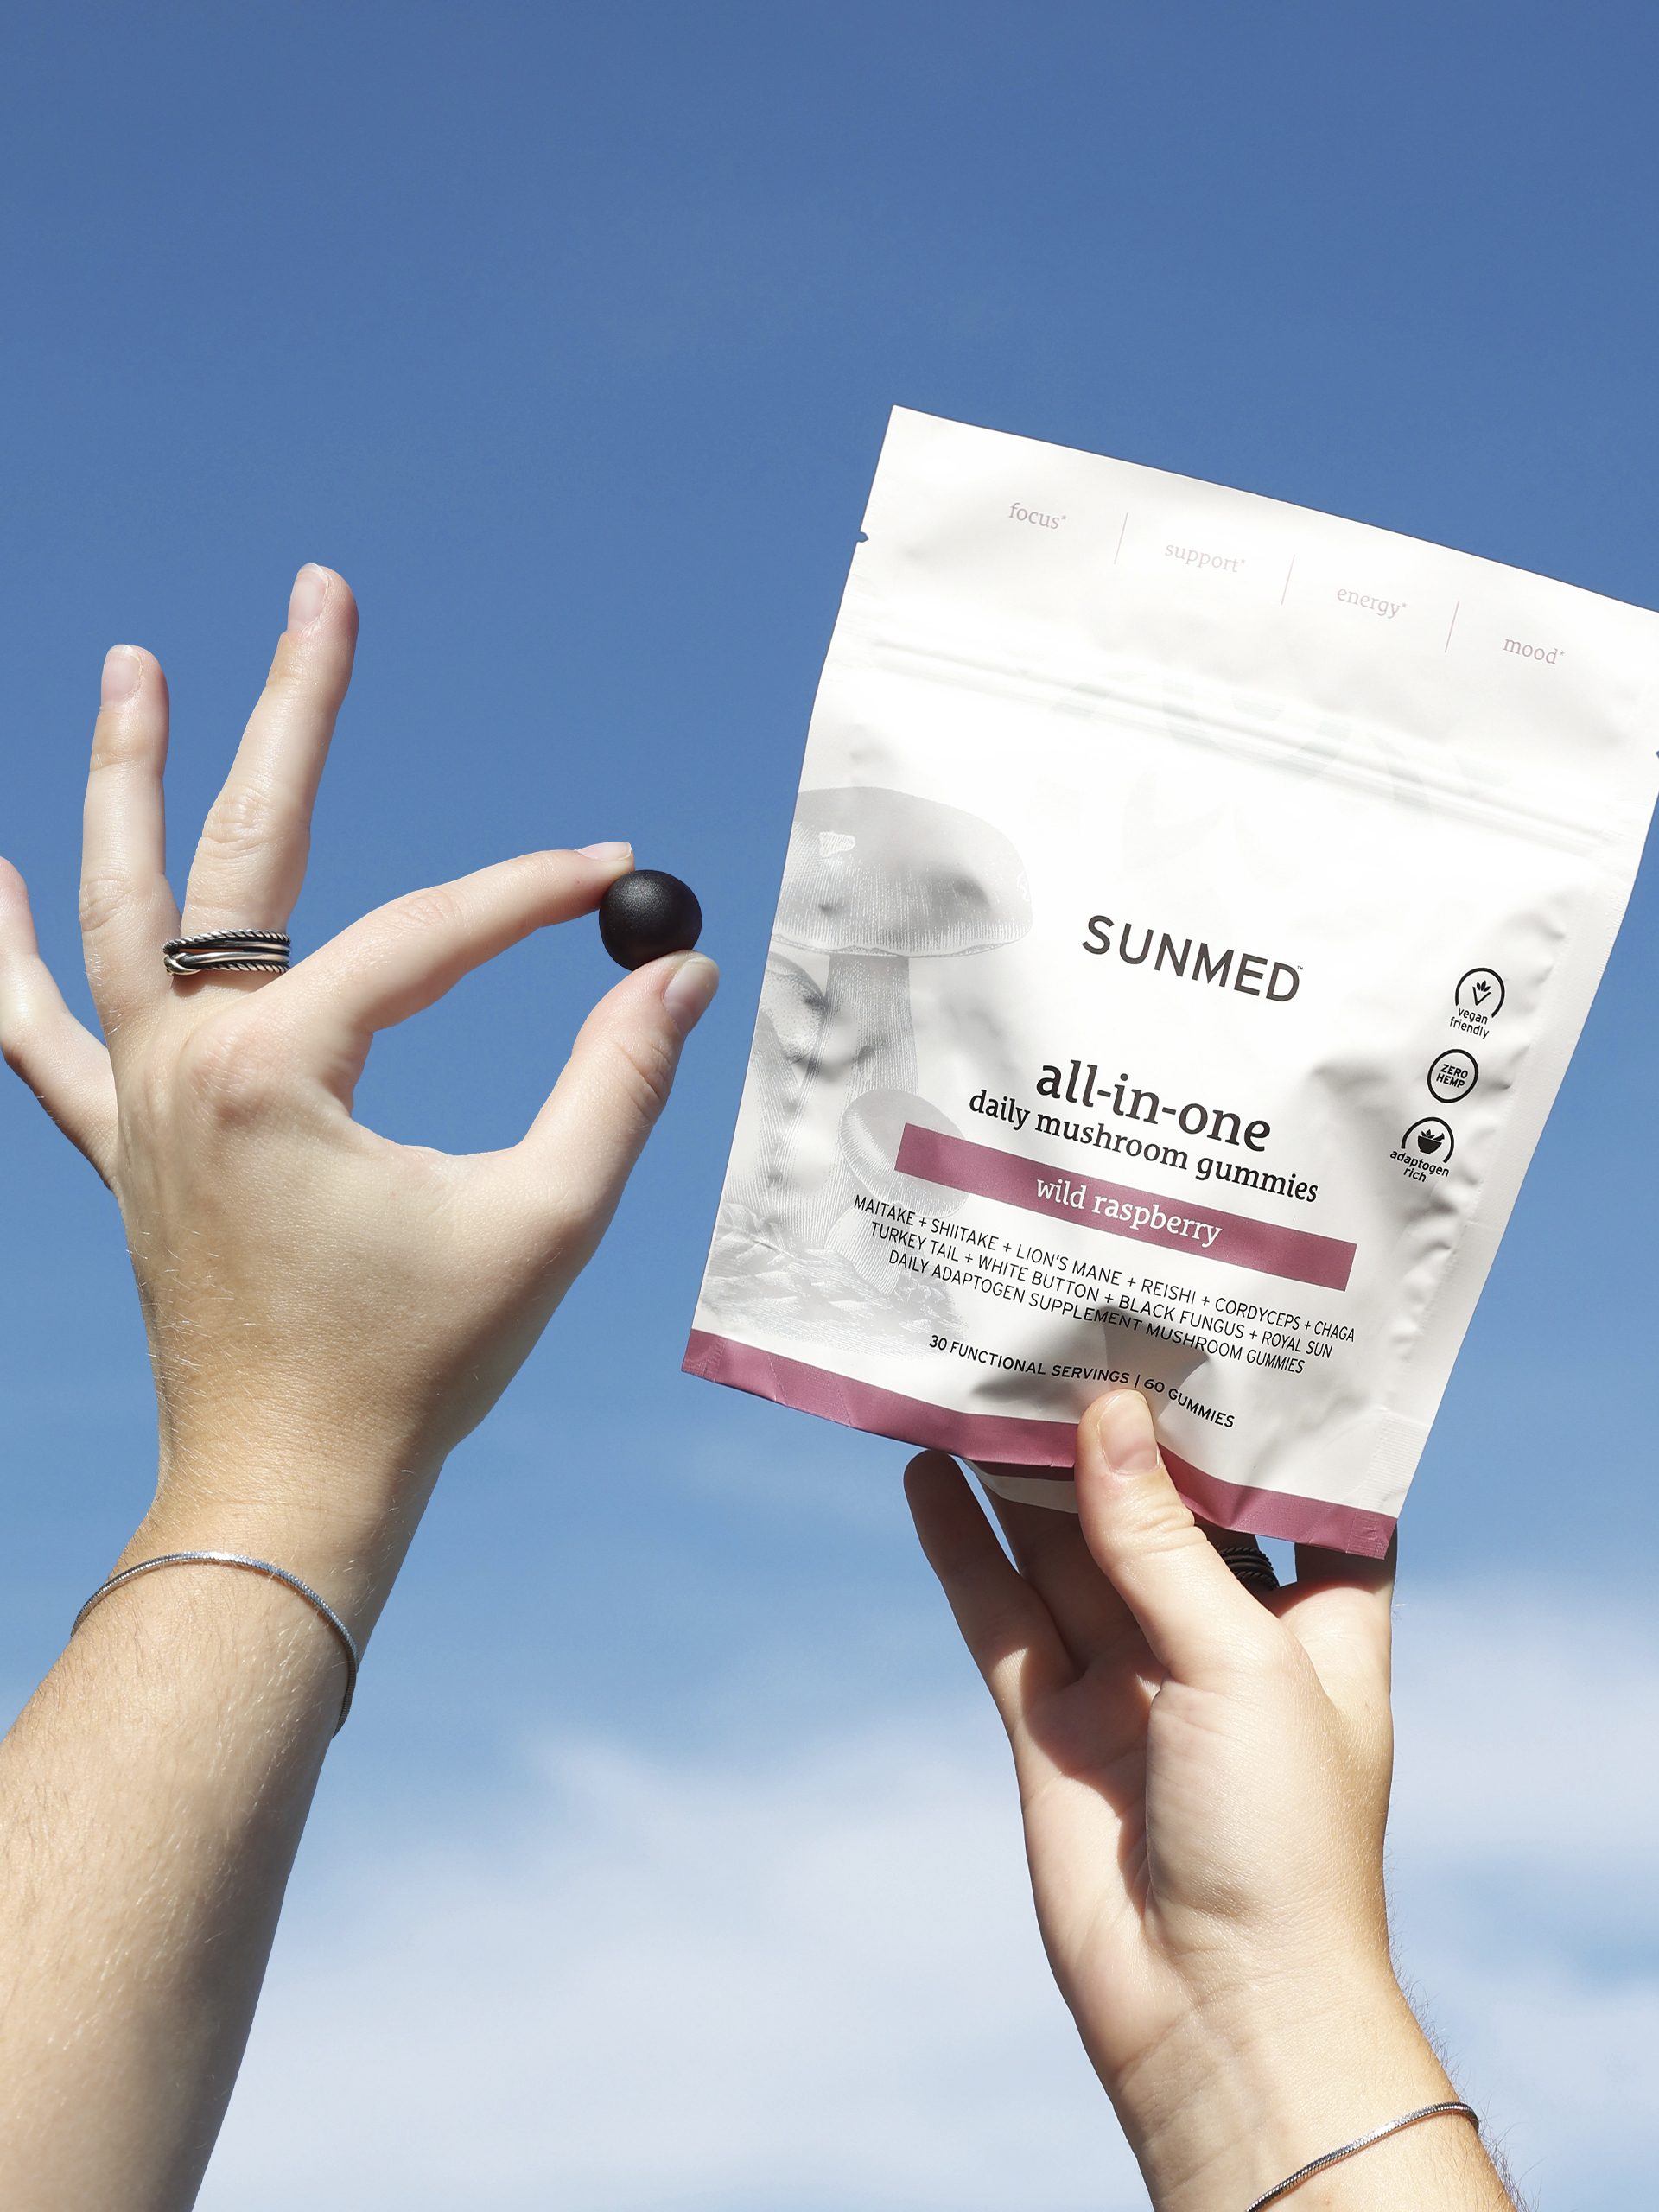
1049, 1550
250, 863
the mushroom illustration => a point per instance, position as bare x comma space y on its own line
785, 1038
872, 1130
876, 878
793, 1002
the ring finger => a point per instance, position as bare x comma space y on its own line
251, 860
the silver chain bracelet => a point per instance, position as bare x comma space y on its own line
347, 1641
1364, 2143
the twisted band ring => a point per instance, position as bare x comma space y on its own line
262, 952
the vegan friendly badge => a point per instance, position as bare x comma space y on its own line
1477, 1001
1454, 1074
1481, 991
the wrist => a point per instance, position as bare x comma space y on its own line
1248, 2089
343, 1527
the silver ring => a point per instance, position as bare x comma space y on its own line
252, 952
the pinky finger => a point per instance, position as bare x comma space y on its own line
65, 1066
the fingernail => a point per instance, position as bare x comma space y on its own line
306, 600
1127, 1436
616, 852
690, 990
123, 670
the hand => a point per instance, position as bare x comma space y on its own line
328, 1312
1205, 1780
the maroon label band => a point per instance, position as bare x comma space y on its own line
1032, 1449
1176, 1223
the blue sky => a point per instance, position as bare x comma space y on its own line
569, 336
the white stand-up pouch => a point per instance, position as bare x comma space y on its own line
1191, 905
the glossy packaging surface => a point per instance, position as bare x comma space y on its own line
1191, 905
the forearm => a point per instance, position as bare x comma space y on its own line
1232, 2106
152, 1796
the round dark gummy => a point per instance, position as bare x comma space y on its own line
647, 914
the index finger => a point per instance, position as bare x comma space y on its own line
1051, 1551
405, 955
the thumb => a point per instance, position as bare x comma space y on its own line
581, 1146
1197, 1618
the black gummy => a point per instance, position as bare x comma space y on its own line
647, 914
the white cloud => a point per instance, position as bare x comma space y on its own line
1525, 1845
817, 1983
812, 1986
1527, 1719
